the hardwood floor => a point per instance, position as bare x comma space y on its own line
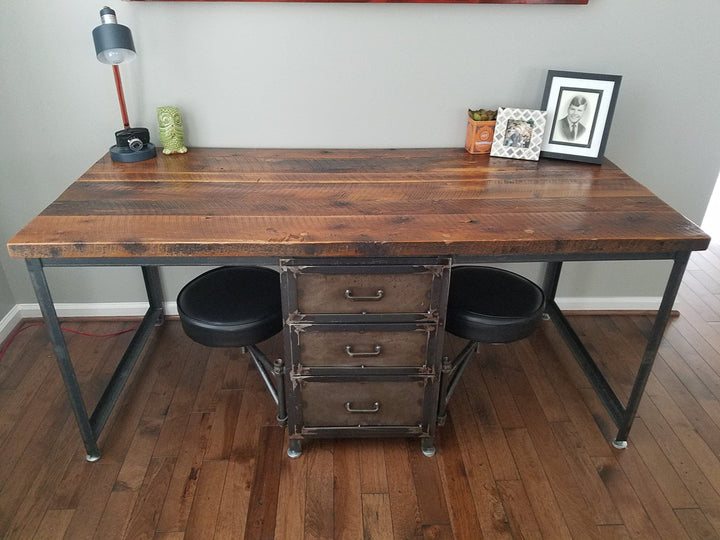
193, 449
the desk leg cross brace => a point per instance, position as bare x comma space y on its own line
622, 415
91, 425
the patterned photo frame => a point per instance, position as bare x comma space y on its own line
518, 133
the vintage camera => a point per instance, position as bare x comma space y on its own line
132, 144
132, 138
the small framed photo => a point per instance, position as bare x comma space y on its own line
518, 133
580, 108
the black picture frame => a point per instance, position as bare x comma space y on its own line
580, 108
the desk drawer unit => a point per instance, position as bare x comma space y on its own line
364, 342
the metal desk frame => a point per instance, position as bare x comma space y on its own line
92, 423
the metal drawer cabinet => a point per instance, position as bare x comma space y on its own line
364, 341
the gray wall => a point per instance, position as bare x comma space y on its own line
349, 75
7, 300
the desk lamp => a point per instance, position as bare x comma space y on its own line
114, 45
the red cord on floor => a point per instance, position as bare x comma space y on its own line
14, 335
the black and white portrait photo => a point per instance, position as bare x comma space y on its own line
579, 108
576, 116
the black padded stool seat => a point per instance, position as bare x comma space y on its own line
486, 305
231, 306
491, 305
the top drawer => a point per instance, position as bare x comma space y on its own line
381, 289
364, 293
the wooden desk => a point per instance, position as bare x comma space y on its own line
215, 206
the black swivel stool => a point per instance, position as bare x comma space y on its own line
237, 306
486, 305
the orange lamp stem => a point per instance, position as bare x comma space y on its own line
121, 96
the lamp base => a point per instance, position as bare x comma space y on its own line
126, 154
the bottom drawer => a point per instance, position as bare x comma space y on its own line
364, 403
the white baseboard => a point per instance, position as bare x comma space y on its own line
625, 303
9, 322
137, 309
96, 309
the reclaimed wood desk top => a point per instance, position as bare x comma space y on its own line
339, 203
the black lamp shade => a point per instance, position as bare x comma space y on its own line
113, 41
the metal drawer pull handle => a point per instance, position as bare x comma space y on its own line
349, 351
378, 296
376, 408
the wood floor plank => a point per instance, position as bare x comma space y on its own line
30, 343
372, 466
648, 491
224, 423
582, 468
139, 454
241, 466
437, 532
570, 499
695, 523
635, 519
539, 379
486, 497
689, 471
290, 518
213, 376
377, 523
542, 499
206, 502
348, 490
454, 476
237, 369
401, 488
116, 515
508, 414
319, 511
54, 524
25, 493
181, 491
492, 434
614, 532
145, 513
570, 389
428, 488
521, 516
170, 438
662, 469
92, 503
263, 505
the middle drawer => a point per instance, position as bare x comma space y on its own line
328, 346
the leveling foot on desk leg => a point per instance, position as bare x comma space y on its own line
295, 448
620, 445
428, 447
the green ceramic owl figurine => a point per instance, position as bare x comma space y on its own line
171, 130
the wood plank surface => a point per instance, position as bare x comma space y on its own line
409, 202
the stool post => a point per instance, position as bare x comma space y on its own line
279, 375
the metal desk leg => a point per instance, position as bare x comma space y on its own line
42, 292
651, 349
90, 426
151, 275
622, 415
